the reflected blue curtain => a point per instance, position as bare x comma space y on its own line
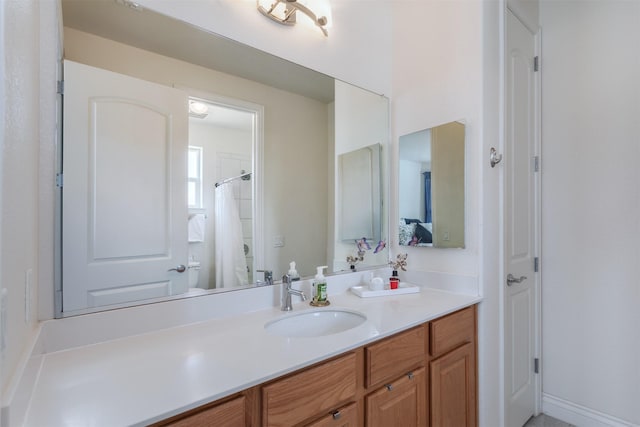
427, 196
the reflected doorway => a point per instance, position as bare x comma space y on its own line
222, 205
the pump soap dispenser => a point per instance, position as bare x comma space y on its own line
319, 285
293, 273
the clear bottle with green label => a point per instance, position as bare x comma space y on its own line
319, 285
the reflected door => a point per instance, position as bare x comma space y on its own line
124, 217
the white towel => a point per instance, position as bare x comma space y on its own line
196, 228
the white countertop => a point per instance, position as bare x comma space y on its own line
145, 378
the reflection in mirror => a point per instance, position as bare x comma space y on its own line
293, 125
431, 193
361, 198
220, 196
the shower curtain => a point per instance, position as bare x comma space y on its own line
231, 265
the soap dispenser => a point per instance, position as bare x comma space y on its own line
293, 273
319, 291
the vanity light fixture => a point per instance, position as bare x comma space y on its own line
285, 11
131, 5
198, 109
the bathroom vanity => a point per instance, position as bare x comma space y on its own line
415, 355
423, 376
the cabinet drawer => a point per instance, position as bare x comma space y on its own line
228, 414
309, 393
343, 417
452, 331
394, 356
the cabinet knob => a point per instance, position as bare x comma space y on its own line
410, 375
337, 415
389, 387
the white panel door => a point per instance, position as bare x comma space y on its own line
520, 224
124, 207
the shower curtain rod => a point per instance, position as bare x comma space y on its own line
244, 177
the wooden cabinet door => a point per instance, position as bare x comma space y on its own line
402, 403
453, 389
343, 417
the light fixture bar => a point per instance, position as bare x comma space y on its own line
289, 16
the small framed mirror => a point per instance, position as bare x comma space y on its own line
360, 194
432, 187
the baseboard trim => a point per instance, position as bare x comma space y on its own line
579, 415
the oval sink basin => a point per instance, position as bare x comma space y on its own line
315, 323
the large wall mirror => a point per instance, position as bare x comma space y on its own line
192, 162
431, 187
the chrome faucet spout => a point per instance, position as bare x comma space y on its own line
287, 291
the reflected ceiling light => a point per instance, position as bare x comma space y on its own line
198, 109
285, 11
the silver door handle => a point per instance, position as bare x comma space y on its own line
180, 269
511, 279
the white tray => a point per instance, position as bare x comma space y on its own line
365, 292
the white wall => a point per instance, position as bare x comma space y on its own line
490, 351
591, 206
437, 78
440, 52
2, 138
29, 102
361, 119
446, 67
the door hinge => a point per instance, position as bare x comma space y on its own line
59, 180
61, 87
536, 264
536, 63
536, 164
536, 366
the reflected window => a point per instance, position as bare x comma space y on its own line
194, 181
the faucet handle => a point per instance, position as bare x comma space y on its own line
268, 276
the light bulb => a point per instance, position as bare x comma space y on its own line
198, 107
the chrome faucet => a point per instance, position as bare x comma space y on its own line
287, 291
268, 278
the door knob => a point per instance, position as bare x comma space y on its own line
180, 269
511, 279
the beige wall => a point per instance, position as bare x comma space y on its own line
295, 143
